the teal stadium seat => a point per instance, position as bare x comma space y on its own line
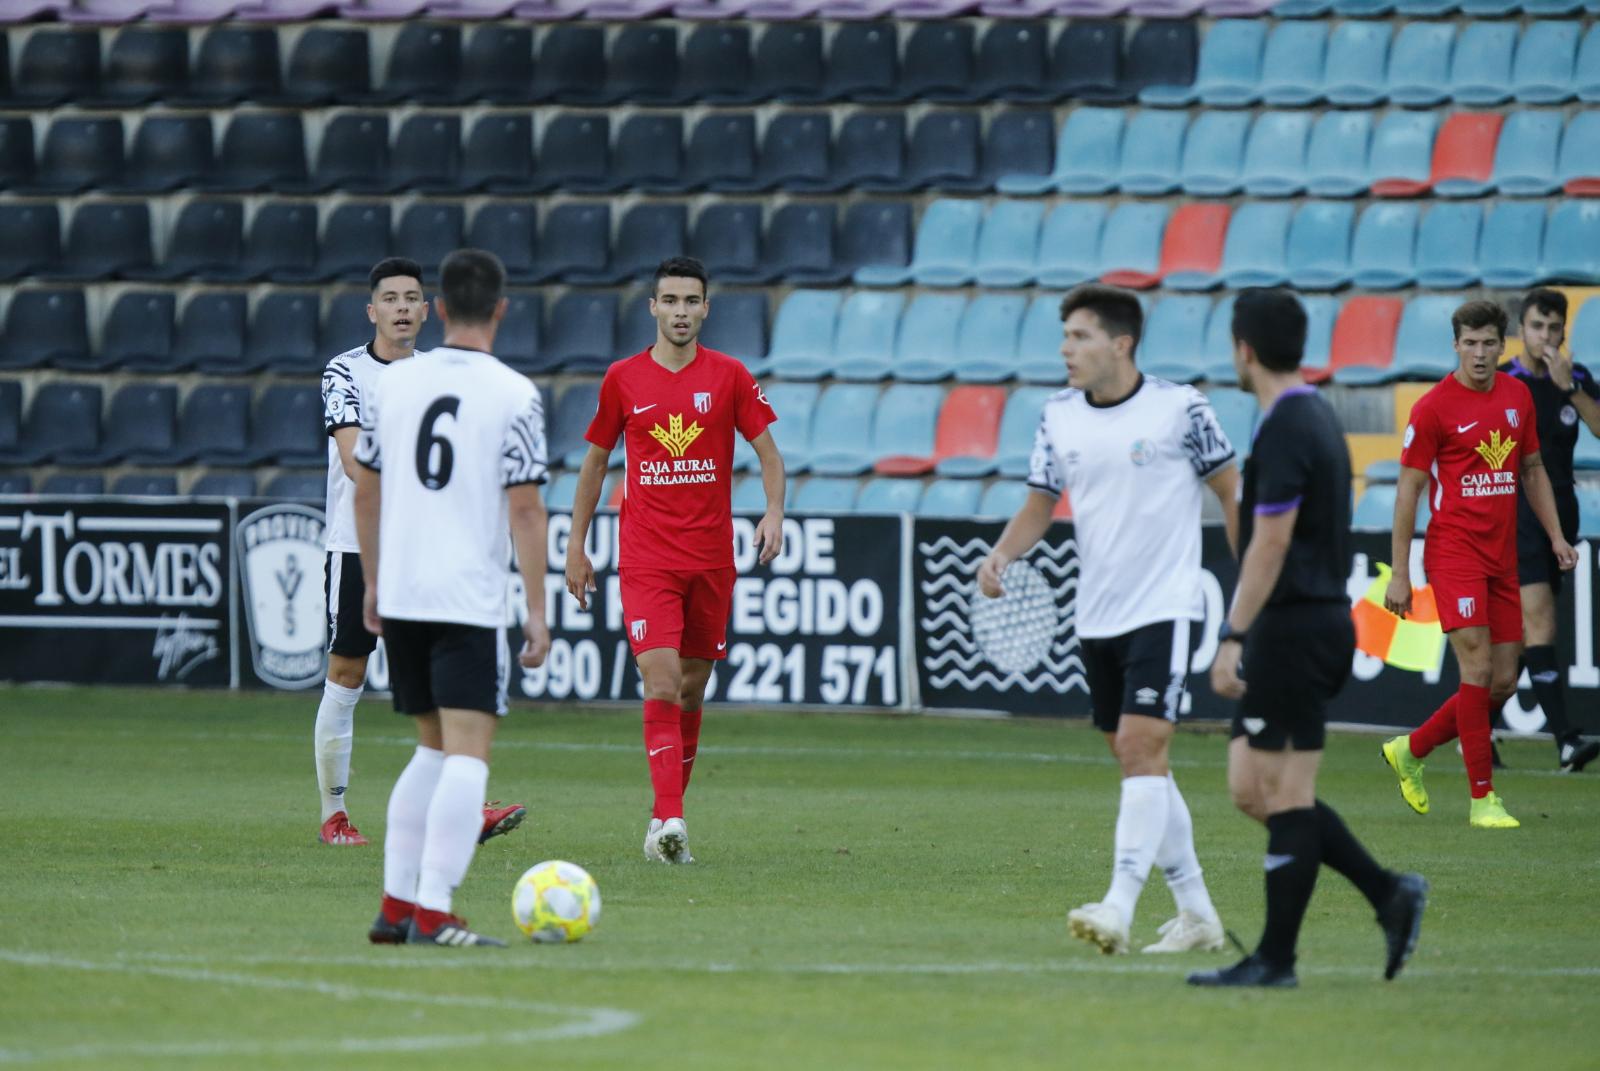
950, 498
1002, 499
1546, 59
1168, 348
1447, 245
1213, 154
1256, 250
1275, 154
1018, 424
1512, 248
1422, 345
1292, 64
904, 423
841, 430
927, 349
1216, 355
1008, 244
1383, 254
1039, 342
1069, 243
1152, 153
1358, 64
825, 494
888, 494
1480, 70
1236, 411
1572, 243
1578, 169
1089, 152
795, 404
1525, 159
864, 346
803, 334
1419, 64
946, 246
987, 338
1337, 157
1319, 245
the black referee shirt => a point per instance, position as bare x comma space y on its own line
1558, 421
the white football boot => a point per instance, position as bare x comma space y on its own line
1101, 925
651, 851
1189, 933
672, 842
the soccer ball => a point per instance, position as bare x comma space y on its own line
555, 902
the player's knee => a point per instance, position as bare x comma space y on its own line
1502, 689
347, 672
1247, 799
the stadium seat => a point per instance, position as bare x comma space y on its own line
1216, 353
297, 486
716, 67
429, 232
1525, 157
43, 327
235, 63
63, 419
1422, 347
1160, 68
1374, 510
794, 403
824, 494
576, 240
643, 66
282, 334
1167, 349
726, 238
793, 156
518, 342
1256, 250
1464, 153
1321, 312
1002, 499
1152, 153
17, 163
875, 233
1070, 243
425, 65
207, 242
569, 420
1039, 342
803, 334
261, 151
937, 63
1089, 156
282, 243
141, 424
722, 153
329, 66
210, 336
1572, 243
354, 157
739, 326
1383, 254
789, 63
749, 496
1213, 154
288, 428
1579, 166
863, 64
1419, 64
1336, 159
864, 344
950, 498
1586, 75
68, 483
10, 419
1013, 61
1292, 64
144, 64
1236, 411
1008, 244
986, 342
138, 333
870, 152
1357, 64
946, 246
649, 154
1018, 424
57, 66
1402, 154
1191, 249
1480, 70
799, 245
213, 427
926, 348
78, 155
507, 229
1275, 154
1546, 59
354, 238
498, 156
943, 152
571, 66
169, 153
224, 485
427, 154
885, 494
574, 154
582, 333
1447, 246
106, 240
967, 436
1018, 144
30, 240
147, 485
1589, 507
1511, 250
563, 489
1363, 340
903, 429
649, 234
841, 429
496, 65
1130, 247
1319, 245
1229, 75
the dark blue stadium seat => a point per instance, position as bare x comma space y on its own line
211, 332
224, 485
1383, 252
329, 66
943, 152
288, 427
15, 483
875, 233
1447, 246
354, 156
78, 155
1213, 154
870, 152
282, 334
68, 483
30, 239
141, 423
648, 234
1526, 157
794, 155
106, 240
169, 153
137, 334
1319, 245
799, 245
298, 486
282, 243
716, 66
571, 68
738, 325
582, 333
1292, 64
938, 62
1019, 142
63, 419
1086, 62
17, 162
569, 419
649, 154
144, 64
722, 153
427, 154
10, 419
643, 67
425, 65
429, 232
42, 327
863, 64
207, 242
57, 66
1013, 62
1357, 67
517, 343
1512, 248
575, 240
235, 63
497, 66
355, 237
1336, 158
508, 230
346, 324
575, 154
499, 155
214, 427
727, 239
261, 151
788, 63
1419, 64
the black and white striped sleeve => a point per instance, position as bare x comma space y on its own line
341, 397
366, 452
1043, 472
1204, 441
523, 456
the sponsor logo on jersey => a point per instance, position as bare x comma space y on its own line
280, 555
702, 401
675, 437
1466, 606
1411, 433
1496, 450
1511, 415
1142, 452
636, 629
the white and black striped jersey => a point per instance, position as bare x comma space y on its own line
346, 382
449, 430
1134, 473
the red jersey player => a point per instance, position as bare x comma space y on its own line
1475, 434
676, 406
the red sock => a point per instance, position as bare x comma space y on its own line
663, 745
1477, 750
1438, 729
430, 921
397, 910
691, 743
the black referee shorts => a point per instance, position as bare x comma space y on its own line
435, 664
1296, 658
342, 583
1536, 562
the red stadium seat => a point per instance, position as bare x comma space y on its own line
1463, 156
968, 433
1191, 248
1363, 337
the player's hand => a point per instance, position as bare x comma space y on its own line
1397, 597
535, 642
769, 537
369, 612
1566, 557
1558, 362
989, 575
580, 576
1225, 679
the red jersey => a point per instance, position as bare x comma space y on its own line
1472, 443
677, 506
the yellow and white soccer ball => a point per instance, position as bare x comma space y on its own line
556, 902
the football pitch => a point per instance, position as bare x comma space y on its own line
870, 892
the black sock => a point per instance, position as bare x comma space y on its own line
1294, 856
1344, 853
1546, 676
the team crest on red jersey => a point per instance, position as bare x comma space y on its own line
1511, 415
702, 402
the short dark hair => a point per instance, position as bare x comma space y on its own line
679, 268
1550, 302
1118, 311
1273, 323
389, 267
472, 282
1472, 315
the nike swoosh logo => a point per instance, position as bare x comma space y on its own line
659, 750
643, 408
722, 646
1275, 861
1459, 427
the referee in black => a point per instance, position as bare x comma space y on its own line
1286, 647
1564, 394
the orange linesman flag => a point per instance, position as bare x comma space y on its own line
1413, 642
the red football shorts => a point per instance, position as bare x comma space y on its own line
1475, 601
687, 611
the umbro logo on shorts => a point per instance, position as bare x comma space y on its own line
1146, 697
1466, 606
1253, 726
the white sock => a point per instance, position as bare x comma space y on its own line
336, 718
1177, 859
1141, 823
408, 821
455, 818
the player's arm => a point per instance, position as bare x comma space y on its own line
769, 532
1574, 381
529, 524
585, 500
1022, 532
345, 439
1542, 500
1588, 410
1258, 575
1224, 483
367, 505
1412, 483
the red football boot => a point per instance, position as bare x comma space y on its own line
498, 819
338, 830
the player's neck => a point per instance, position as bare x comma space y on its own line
470, 337
1462, 378
672, 357
1119, 388
390, 351
1268, 387
1535, 365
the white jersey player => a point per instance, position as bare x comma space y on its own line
452, 450
1131, 454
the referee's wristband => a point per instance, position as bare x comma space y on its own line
1228, 632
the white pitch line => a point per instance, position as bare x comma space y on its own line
583, 1022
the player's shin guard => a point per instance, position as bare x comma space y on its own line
690, 723
335, 729
1477, 750
408, 821
455, 817
1294, 854
1440, 728
1342, 852
663, 745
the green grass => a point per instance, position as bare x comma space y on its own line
871, 892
